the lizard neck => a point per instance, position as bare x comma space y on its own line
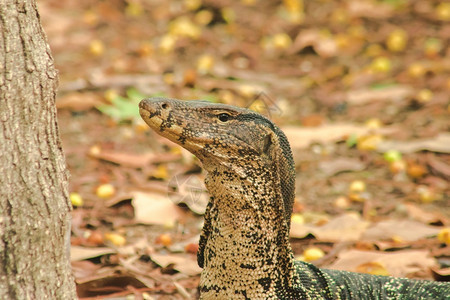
247, 254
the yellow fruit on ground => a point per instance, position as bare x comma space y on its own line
374, 123
426, 195
416, 70
397, 40
373, 268
444, 235
416, 171
342, 202
392, 155
115, 239
357, 186
298, 219
281, 41
313, 253
397, 166
205, 63
165, 239
167, 43
105, 190
381, 65
97, 47
424, 95
443, 11
76, 199
369, 142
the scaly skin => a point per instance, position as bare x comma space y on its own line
244, 247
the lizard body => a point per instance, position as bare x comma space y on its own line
244, 247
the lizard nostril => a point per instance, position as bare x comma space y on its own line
164, 105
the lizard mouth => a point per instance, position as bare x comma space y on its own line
156, 113
150, 113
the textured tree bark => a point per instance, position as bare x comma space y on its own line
34, 202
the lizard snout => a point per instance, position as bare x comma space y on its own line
154, 104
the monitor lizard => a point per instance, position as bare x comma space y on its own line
244, 247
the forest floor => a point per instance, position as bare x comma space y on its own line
361, 88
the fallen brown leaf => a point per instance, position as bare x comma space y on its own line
347, 227
441, 274
341, 164
185, 264
78, 101
324, 46
84, 268
301, 137
108, 285
154, 208
439, 143
438, 166
406, 230
370, 9
364, 96
81, 253
190, 190
398, 264
134, 160
417, 213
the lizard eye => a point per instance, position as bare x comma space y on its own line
223, 117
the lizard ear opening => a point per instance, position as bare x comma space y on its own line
267, 142
264, 145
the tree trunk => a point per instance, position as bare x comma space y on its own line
34, 202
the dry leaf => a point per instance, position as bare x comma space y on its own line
190, 190
81, 253
301, 137
185, 264
300, 231
154, 208
125, 159
84, 268
417, 213
134, 160
347, 227
438, 166
441, 274
398, 264
439, 143
373, 268
108, 285
406, 230
341, 164
370, 9
324, 46
395, 93
79, 101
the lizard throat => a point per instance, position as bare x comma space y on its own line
245, 252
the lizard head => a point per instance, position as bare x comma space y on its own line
222, 135
215, 133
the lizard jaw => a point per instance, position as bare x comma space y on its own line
156, 112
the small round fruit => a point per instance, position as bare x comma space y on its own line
106, 190
397, 40
392, 155
444, 235
76, 199
115, 238
313, 253
165, 239
357, 186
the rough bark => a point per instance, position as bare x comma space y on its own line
34, 204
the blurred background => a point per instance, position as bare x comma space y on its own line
361, 88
